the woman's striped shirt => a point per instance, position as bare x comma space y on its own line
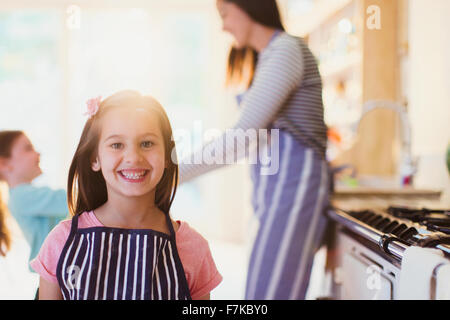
286, 93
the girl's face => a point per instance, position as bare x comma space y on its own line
23, 165
130, 152
235, 21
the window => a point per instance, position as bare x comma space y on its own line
51, 64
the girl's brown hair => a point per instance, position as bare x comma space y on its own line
86, 189
242, 62
5, 236
7, 139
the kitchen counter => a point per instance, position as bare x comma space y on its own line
370, 191
353, 198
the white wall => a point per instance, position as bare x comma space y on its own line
429, 90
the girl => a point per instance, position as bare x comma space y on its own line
284, 93
36, 209
121, 242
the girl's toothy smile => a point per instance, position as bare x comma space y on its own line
133, 175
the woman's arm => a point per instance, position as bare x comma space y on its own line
275, 79
49, 290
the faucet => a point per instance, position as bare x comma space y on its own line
408, 166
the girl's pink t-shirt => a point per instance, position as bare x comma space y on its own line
201, 272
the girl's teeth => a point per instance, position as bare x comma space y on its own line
133, 175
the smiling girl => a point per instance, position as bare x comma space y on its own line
121, 243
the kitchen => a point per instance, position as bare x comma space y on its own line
385, 72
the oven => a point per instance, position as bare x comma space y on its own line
368, 248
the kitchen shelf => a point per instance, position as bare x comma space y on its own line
359, 65
340, 68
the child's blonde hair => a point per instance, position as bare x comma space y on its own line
5, 236
86, 189
7, 139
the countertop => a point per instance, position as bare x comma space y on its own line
371, 191
353, 198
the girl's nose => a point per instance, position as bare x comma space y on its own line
133, 155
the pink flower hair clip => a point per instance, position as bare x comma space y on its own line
92, 106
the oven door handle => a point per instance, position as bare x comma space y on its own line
433, 285
389, 243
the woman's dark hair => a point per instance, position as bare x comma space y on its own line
7, 139
242, 62
86, 189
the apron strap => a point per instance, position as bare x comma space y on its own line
170, 226
74, 226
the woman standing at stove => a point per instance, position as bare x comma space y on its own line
284, 92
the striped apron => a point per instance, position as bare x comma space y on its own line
102, 263
289, 206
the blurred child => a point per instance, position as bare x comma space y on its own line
121, 243
36, 209
16, 281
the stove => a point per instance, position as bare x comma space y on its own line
369, 246
433, 220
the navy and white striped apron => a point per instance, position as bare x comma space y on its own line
102, 263
290, 208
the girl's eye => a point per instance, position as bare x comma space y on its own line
146, 144
117, 145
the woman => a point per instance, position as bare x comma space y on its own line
285, 94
